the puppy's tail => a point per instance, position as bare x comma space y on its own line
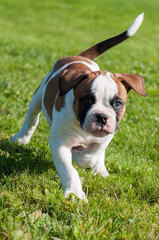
95, 51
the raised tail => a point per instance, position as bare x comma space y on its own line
95, 51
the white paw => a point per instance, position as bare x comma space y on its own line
105, 174
102, 172
20, 140
77, 193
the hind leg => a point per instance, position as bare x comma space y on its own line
31, 120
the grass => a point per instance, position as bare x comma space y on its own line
33, 35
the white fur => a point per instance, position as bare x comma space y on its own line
105, 89
31, 120
66, 132
61, 143
135, 25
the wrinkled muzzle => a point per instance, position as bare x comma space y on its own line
100, 122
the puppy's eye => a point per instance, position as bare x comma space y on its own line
87, 101
117, 104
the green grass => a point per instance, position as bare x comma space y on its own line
33, 35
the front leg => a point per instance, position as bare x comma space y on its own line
91, 157
99, 166
69, 177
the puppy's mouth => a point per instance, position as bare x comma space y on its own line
100, 124
100, 132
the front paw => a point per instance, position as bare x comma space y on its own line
76, 192
21, 140
103, 172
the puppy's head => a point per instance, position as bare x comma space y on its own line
100, 98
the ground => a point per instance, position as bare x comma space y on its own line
33, 35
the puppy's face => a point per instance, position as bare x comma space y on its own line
99, 97
99, 103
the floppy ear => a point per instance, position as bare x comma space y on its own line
132, 81
69, 78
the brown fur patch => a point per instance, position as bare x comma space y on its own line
95, 51
82, 88
50, 94
85, 85
132, 81
60, 103
60, 63
52, 88
66, 60
37, 88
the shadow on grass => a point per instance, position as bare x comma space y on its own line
18, 158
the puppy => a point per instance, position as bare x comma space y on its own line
83, 106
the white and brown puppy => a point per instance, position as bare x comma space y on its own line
83, 106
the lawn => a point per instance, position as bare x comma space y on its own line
33, 35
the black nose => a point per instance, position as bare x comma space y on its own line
102, 119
